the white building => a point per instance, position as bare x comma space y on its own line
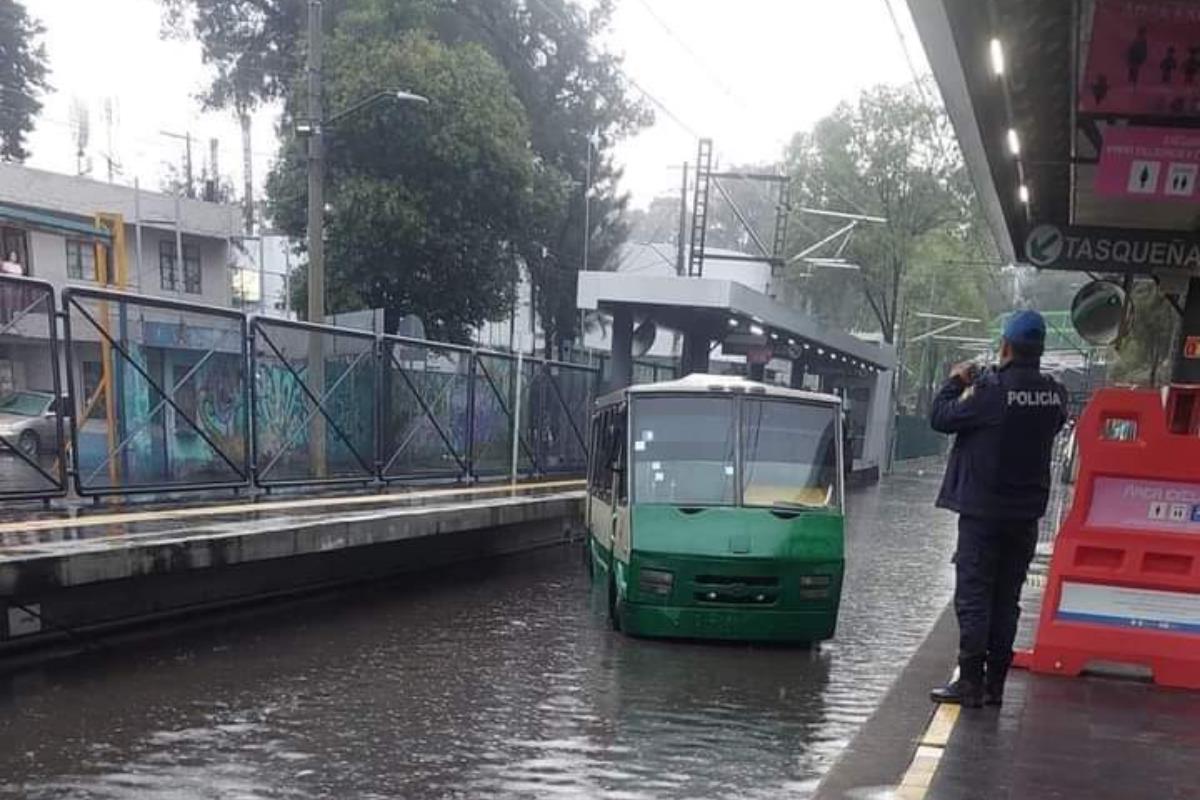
166, 247
48, 220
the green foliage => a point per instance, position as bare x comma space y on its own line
567, 89
890, 154
573, 94
1144, 355
421, 200
22, 77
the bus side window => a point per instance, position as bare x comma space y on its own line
603, 462
620, 458
594, 443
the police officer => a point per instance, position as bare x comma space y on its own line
998, 480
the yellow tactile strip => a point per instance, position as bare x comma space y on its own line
915, 783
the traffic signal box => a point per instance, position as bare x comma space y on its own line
1124, 584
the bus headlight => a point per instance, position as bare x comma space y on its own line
655, 581
815, 587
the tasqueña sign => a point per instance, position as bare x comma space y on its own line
1111, 249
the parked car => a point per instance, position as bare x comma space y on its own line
27, 421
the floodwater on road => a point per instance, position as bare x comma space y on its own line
485, 682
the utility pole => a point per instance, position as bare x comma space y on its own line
316, 236
247, 172
587, 200
191, 186
316, 170
214, 188
681, 236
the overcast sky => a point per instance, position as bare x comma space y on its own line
748, 73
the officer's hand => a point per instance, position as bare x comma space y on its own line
965, 372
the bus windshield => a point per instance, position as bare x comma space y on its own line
789, 454
684, 450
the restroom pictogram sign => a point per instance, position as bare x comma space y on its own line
1149, 164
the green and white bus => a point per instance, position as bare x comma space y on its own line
715, 510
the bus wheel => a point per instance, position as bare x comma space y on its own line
614, 605
587, 556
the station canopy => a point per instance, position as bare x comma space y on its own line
727, 311
1079, 121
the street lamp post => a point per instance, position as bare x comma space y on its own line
314, 129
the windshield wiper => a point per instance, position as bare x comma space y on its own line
796, 506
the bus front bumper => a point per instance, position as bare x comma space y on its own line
752, 625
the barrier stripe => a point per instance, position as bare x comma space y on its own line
915, 783
124, 518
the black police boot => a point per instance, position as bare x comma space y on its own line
993, 684
967, 690
959, 692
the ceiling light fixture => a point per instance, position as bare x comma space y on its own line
997, 51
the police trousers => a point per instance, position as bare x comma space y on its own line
990, 565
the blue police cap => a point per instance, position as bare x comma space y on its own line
1025, 328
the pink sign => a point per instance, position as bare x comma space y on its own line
1145, 505
1149, 163
1144, 59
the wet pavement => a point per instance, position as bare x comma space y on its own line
501, 682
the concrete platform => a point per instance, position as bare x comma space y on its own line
1090, 737
70, 579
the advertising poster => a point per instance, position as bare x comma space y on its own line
1143, 59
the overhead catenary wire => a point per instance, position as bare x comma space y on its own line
713, 75
659, 104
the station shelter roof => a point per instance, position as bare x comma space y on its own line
1079, 121
727, 309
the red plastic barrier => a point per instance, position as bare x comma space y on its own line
1124, 582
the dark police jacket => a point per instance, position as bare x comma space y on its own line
1005, 423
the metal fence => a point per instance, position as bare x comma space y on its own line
158, 391
32, 441
164, 396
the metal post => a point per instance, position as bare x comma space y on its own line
262, 275
622, 348
287, 283
316, 170
516, 417
248, 172
178, 262
316, 232
681, 244
137, 230
191, 186
471, 378
587, 204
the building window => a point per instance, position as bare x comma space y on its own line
14, 242
191, 269
169, 273
81, 260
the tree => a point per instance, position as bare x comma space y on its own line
757, 202
423, 202
577, 99
22, 77
1144, 355
571, 94
891, 154
658, 223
